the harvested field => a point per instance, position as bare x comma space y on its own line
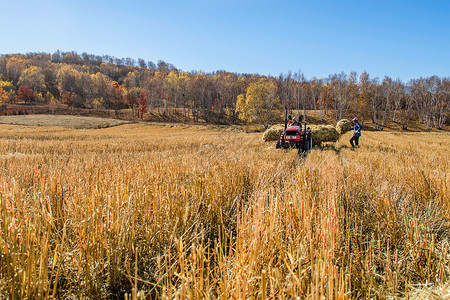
66, 121
194, 212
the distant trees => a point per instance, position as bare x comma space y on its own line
92, 81
431, 96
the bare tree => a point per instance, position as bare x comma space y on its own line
339, 84
441, 102
406, 105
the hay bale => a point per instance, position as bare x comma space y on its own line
323, 133
343, 126
273, 133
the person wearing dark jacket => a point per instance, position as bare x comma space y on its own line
308, 139
356, 133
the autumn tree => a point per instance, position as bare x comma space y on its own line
67, 79
6, 85
325, 101
116, 96
131, 80
376, 103
69, 98
259, 102
15, 67
3, 72
339, 88
143, 104
33, 78
72, 58
173, 87
363, 96
101, 84
387, 89
353, 91
131, 98
3, 96
110, 70
26, 94
72, 81
315, 88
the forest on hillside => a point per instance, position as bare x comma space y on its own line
108, 83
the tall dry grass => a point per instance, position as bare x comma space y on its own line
193, 212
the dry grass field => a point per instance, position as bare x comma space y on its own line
66, 121
176, 212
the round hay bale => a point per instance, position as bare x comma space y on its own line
343, 126
323, 133
273, 133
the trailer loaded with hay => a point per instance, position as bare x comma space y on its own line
303, 136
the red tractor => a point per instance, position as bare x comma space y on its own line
294, 136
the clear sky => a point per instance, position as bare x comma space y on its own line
402, 39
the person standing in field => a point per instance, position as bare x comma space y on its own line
356, 133
308, 139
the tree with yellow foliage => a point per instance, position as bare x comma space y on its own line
259, 102
33, 77
3, 96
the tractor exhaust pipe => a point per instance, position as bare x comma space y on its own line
285, 118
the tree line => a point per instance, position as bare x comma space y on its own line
106, 82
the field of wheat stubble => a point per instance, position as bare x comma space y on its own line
194, 212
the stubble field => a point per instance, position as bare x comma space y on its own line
203, 212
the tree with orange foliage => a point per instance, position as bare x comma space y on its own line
131, 98
69, 98
116, 97
25, 94
143, 104
3, 96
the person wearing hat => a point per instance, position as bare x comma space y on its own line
356, 133
295, 122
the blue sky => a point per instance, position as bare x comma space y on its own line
402, 39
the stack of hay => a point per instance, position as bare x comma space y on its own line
273, 133
343, 126
323, 133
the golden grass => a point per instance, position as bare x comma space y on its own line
195, 212
67, 121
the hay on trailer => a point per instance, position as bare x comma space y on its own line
273, 133
320, 133
323, 133
343, 126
